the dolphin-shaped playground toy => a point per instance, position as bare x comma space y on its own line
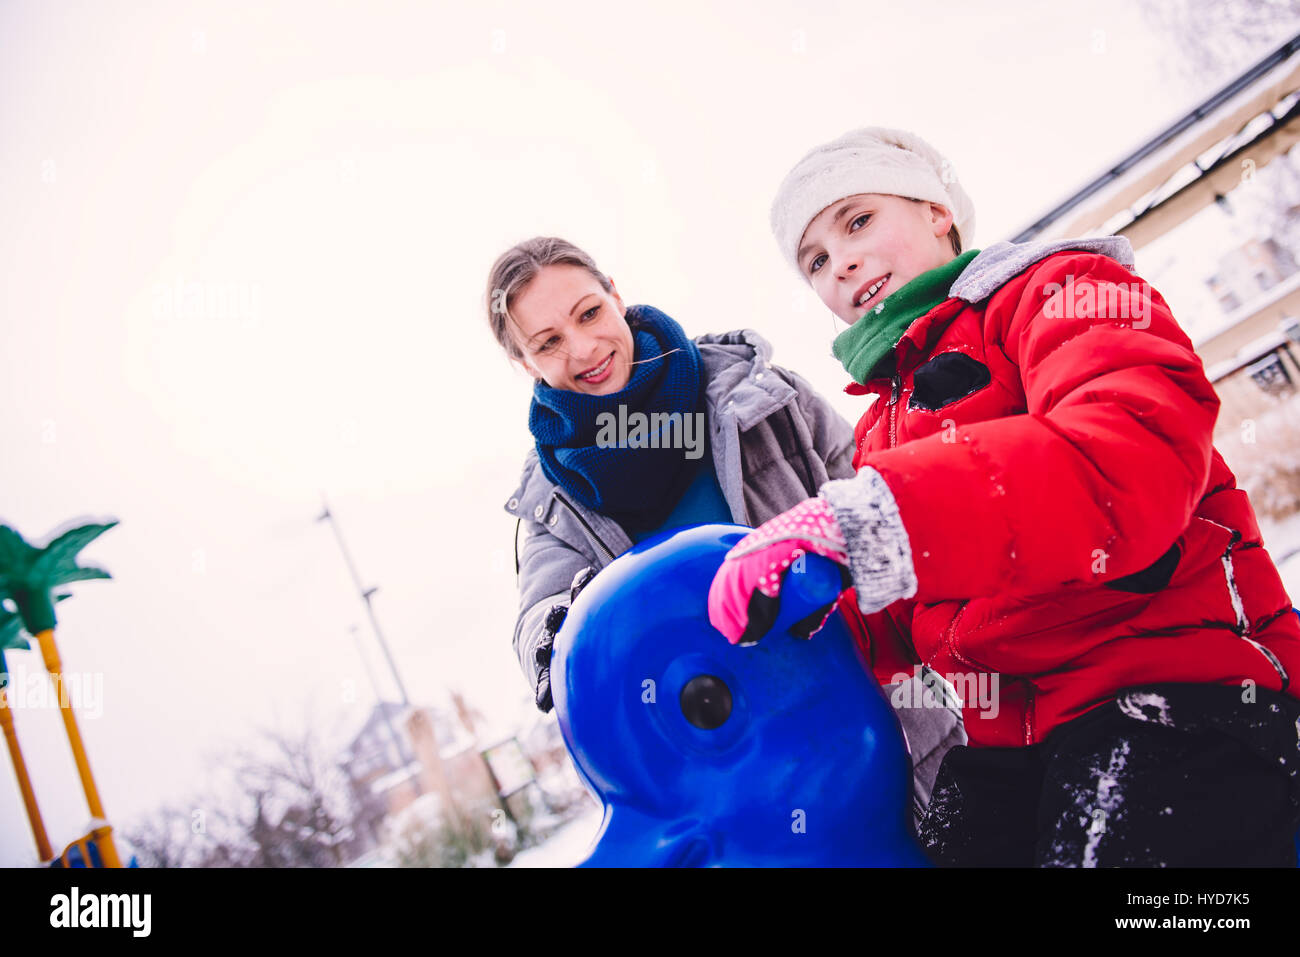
784, 753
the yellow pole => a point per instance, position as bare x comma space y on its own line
50, 653
24, 782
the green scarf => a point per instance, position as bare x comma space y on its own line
862, 345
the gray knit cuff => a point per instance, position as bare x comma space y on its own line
880, 556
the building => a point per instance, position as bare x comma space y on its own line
1249, 270
403, 753
1250, 352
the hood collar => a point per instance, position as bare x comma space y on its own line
987, 273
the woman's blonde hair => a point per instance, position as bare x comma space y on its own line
516, 268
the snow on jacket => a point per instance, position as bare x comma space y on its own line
1039, 508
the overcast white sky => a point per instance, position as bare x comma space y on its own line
348, 172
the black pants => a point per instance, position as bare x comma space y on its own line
1165, 775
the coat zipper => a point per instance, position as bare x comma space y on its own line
893, 405
1030, 691
893, 399
591, 532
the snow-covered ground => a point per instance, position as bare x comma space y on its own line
567, 846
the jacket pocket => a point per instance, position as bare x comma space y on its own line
1154, 577
946, 378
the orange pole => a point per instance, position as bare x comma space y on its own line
103, 838
52, 664
24, 782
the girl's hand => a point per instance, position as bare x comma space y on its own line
744, 599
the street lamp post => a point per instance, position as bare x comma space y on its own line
383, 711
365, 597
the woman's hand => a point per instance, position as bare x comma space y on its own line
554, 622
745, 597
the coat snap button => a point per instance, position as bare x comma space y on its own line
759, 377
537, 512
513, 503
553, 520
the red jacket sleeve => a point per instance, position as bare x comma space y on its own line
1103, 473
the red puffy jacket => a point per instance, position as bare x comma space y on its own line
1072, 527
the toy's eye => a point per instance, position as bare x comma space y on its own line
706, 701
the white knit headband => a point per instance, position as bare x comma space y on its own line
869, 160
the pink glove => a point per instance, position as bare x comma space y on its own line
744, 599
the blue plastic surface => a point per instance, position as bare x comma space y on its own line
809, 767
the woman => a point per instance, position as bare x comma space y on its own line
740, 440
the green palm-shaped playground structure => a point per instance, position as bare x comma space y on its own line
29, 576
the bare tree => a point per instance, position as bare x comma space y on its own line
1210, 42
286, 804
301, 803
201, 832
163, 839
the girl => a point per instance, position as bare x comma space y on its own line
1040, 513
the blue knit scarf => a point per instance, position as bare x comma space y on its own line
635, 486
